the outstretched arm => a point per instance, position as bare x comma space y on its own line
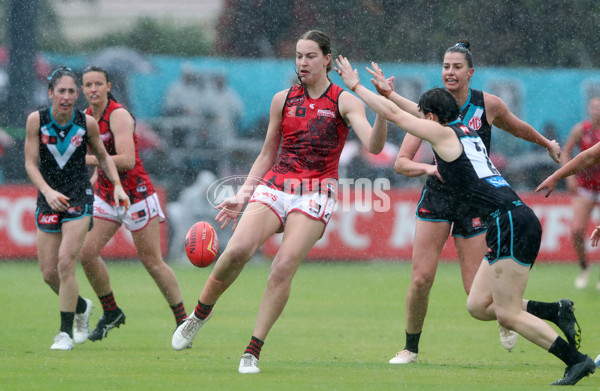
504, 119
581, 162
441, 138
385, 87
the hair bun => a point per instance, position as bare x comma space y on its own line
464, 43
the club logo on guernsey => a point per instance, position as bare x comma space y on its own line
497, 181
77, 140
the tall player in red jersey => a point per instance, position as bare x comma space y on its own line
293, 193
585, 187
117, 131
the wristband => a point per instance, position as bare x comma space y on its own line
116, 182
353, 88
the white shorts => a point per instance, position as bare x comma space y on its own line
137, 216
589, 194
317, 205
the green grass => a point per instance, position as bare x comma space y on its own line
342, 324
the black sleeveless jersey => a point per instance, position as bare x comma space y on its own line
62, 155
472, 178
472, 113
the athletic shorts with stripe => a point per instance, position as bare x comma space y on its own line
516, 234
135, 218
437, 205
49, 220
316, 205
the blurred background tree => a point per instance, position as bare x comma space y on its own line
543, 33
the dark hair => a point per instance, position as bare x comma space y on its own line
462, 46
57, 74
441, 103
95, 68
324, 43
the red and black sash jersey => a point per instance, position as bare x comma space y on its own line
136, 182
314, 134
590, 136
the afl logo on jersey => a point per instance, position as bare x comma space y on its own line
475, 123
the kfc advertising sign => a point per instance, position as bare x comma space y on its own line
362, 231
18, 229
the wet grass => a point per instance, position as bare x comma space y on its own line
342, 324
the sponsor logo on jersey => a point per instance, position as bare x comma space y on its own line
258, 194
325, 113
475, 123
138, 215
313, 207
497, 181
300, 111
48, 219
477, 222
105, 136
423, 210
141, 189
465, 129
47, 139
74, 210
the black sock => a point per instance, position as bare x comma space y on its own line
412, 342
254, 347
81, 305
547, 311
203, 310
565, 352
66, 322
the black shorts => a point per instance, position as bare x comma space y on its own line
49, 220
438, 205
516, 234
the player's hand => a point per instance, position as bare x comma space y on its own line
57, 201
432, 170
554, 151
549, 184
595, 237
349, 75
384, 86
229, 210
121, 198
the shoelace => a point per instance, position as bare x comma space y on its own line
191, 327
247, 361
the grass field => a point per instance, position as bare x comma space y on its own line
342, 324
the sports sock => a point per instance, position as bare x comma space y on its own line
547, 311
66, 322
203, 310
567, 353
179, 312
254, 347
81, 305
412, 342
108, 302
